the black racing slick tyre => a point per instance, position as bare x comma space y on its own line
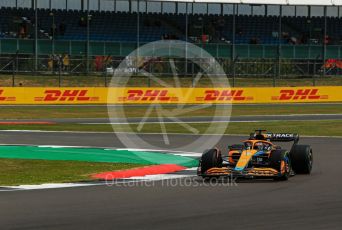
280, 160
301, 159
210, 159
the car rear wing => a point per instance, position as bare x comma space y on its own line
279, 137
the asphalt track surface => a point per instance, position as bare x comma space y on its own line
199, 119
304, 202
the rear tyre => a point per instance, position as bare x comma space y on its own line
210, 159
280, 160
301, 159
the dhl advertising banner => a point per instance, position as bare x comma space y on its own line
98, 95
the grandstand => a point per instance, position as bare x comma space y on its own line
303, 37
154, 25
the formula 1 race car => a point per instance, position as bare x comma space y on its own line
258, 157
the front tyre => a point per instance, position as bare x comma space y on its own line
210, 159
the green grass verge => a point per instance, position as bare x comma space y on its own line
312, 128
17, 172
35, 112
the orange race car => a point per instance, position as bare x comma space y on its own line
258, 157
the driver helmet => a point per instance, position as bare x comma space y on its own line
259, 146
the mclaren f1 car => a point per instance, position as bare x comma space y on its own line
258, 157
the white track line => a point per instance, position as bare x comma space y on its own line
291, 115
46, 186
159, 150
166, 122
61, 146
158, 177
191, 169
189, 154
50, 131
189, 122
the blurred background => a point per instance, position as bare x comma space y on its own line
81, 42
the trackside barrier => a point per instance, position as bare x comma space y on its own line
99, 95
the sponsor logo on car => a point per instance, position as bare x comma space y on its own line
299, 94
283, 135
66, 95
278, 135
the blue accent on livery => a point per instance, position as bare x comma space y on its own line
239, 168
242, 168
259, 153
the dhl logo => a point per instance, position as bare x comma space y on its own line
224, 95
66, 95
299, 94
3, 98
138, 95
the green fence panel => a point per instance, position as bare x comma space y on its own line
224, 51
333, 52
45, 47
127, 48
112, 48
211, 49
9, 46
288, 51
62, 47
301, 52
256, 51
156, 50
78, 48
242, 51
270, 51
152, 52
96, 48
26, 46
175, 50
315, 51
